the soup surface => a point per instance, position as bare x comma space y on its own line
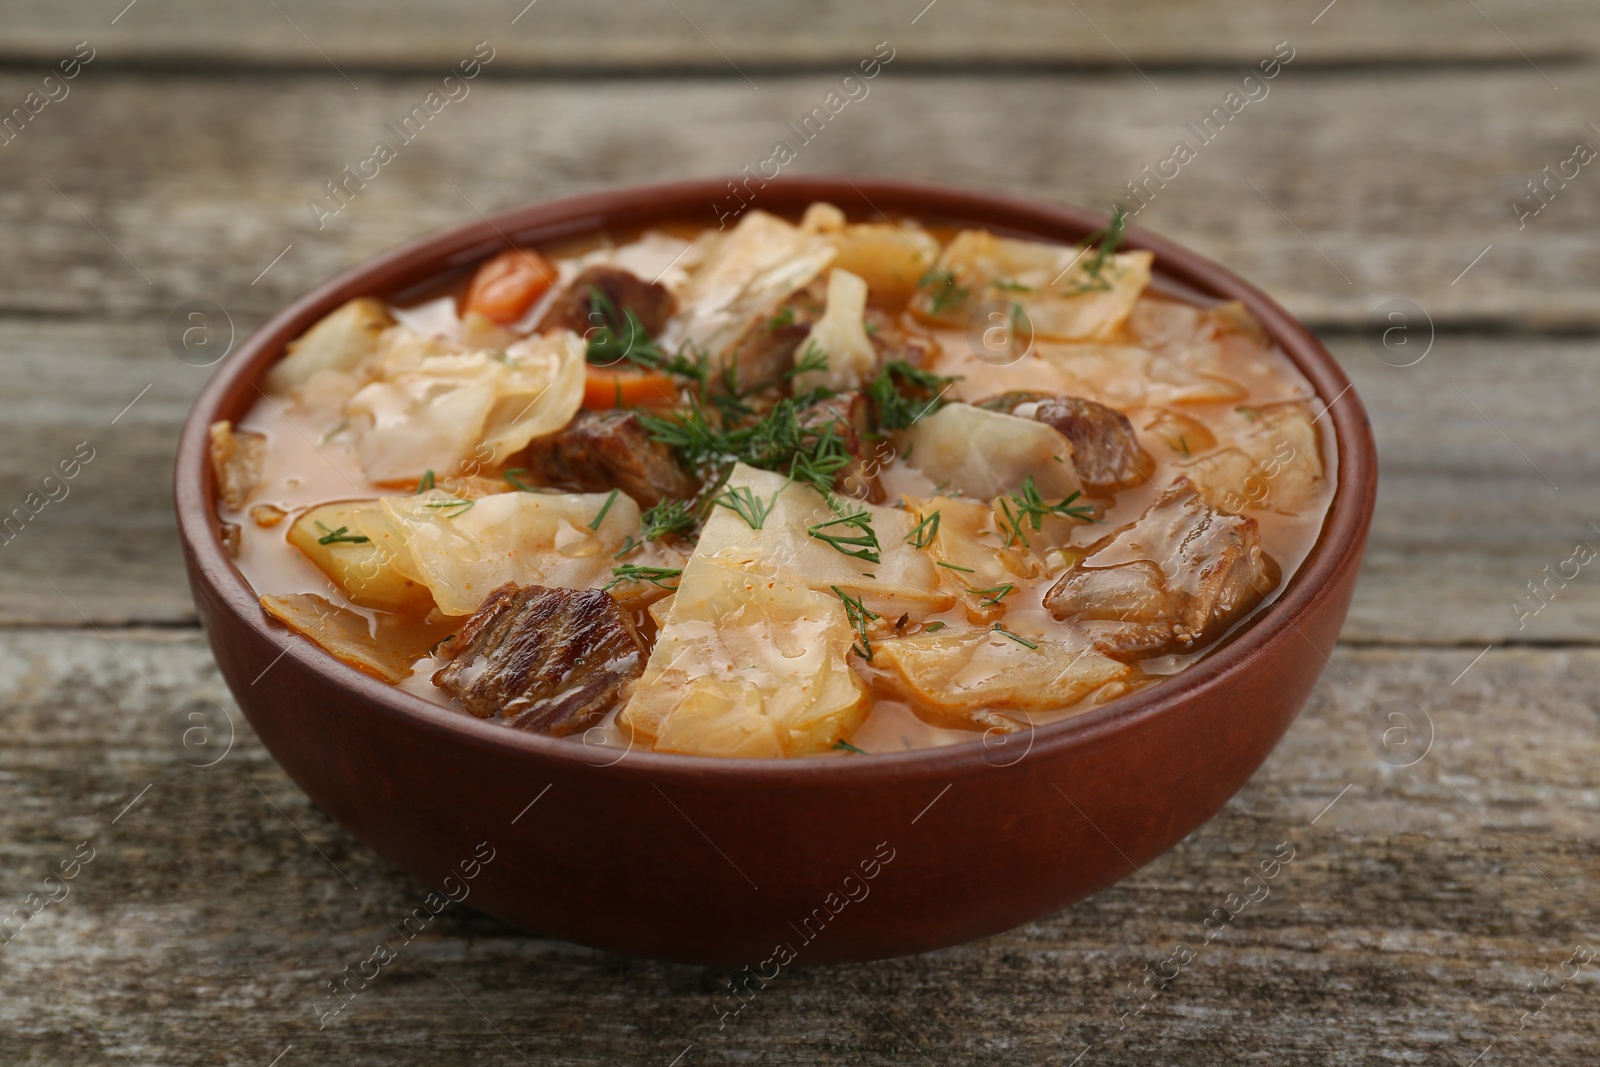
788, 488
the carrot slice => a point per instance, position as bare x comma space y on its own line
604, 387
506, 286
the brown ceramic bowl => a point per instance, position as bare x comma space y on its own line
753, 862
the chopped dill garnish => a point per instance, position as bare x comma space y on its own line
994, 594
656, 576
932, 626
1030, 507
944, 294
1182, 446
425, 484
784, 317
1003, 632
1006, 286
923, 533
859, 615
897, 409
667, 517
812, 359
516, 483
464, 505
812, 452
954, 566
1109, 240
743, 501
863, 544
600, 516
1248, 413
341, 536
848, 747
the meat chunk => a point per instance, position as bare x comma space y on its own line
768, 349
1104, 447
601, 450
1169, 582
849, 415
578, 310
550, 660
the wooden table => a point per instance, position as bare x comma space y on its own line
1424, 900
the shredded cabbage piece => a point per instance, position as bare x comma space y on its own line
462, 550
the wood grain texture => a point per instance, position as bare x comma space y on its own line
719, 36
1464, 519
1337, 192
1415, 911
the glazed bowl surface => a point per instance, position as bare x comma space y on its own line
772, 863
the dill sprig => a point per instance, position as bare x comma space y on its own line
600, 516
629, 572
464, 505
743, 501
341, 536
944, 293
510, 475
902, 394
425, 483
860, 544
667, 517
1105, 243
923, 533
954, 567
994, 594
1003, 632
859, 615
848, 747
1027, 506
812, 359
812, 453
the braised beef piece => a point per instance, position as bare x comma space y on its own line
849, 414
550, 660
1104, 447
769, 348
601, 450
576, 309
1169, 582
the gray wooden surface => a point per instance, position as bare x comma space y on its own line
1420, 906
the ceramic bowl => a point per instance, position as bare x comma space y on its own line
756, 863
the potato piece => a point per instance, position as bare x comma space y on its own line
1275, 466
338, 342
344, 634
747, 665
1053, 284
238, 459
902, 581
464, 550
840, 336
891, 257
983, 454
365, 571
954, 676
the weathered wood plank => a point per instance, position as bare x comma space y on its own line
1464, 518
1405, 929
716, 35
203, 181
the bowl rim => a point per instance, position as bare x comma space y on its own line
1337, 549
